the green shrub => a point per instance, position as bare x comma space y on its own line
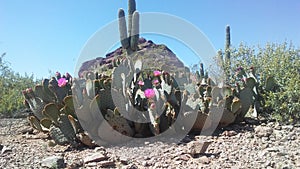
11, 85
281, 61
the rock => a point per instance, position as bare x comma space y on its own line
53, 162
277, 126
281, 154
91, 165
204, 160
183, 157
197, 147
95, 157
25, 129
288, 127
132, 166
106, 163
5, 149
124, 160
263, 131
271, 149
229, 133
145, 163
99, 149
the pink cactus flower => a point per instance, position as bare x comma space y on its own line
155, 82
141, 83
62, 82
156, 73
149, 93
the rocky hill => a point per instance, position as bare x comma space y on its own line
153, 55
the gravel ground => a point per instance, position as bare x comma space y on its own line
246, 145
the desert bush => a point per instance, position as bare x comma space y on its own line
11, 85
281, 61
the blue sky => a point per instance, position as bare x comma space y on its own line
42, 36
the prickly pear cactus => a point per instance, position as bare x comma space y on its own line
53, 110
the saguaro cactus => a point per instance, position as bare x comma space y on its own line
227, 43
227, 54
129, 41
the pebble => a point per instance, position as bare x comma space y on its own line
263, 131
53, 162
197, 147
288, 127
204, 160
5, 149
95, 157
106, 163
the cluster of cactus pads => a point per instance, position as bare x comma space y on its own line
52, 107
131, 100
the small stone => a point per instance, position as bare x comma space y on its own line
53, 162
297, 125
277, 127
229, 133
272, 149
184, 157
281, 154
95, 157
271, 124
204, 160
145, 163
91, 164
124, 160
262, 131
288, 127
178, 162
107, 163
99, 149
197, 147
5, 149
26, 129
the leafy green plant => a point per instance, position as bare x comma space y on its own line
278, 64
12, 84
